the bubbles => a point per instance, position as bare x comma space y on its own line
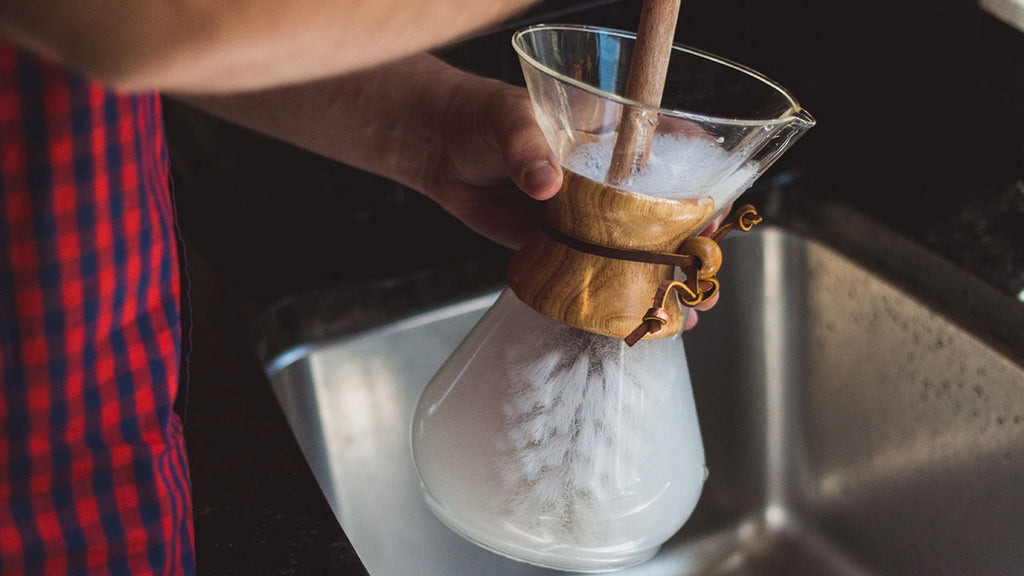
678, 167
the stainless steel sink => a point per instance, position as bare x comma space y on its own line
849, 430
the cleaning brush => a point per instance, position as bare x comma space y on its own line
575, 430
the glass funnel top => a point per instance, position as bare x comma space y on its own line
720, 126
699, 86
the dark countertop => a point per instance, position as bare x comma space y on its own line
902, 157
258, 509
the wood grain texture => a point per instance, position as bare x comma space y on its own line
593, 293
648, 70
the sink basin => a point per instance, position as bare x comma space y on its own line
849, 429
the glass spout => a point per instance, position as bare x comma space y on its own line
782, 138
805, 118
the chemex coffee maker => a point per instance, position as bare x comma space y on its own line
562, 432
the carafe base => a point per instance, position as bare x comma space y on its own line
570, 559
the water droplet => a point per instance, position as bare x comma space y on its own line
720, 139
706, 473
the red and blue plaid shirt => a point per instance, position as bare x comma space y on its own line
93, 474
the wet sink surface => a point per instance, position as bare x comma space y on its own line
849, 430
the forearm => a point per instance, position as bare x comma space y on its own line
226, 45
389, 120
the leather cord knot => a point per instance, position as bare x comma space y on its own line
704, 258
744, 218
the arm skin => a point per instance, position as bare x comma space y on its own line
469, 143
229, 45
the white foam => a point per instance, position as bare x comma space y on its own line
678, 167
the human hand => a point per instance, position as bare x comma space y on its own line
495, 167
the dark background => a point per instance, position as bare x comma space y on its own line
920, 109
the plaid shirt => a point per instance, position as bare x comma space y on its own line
93, 475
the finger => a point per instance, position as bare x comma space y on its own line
691, 320
709, 303
510, 219
717, 221
528, 159
540, 180
501, 213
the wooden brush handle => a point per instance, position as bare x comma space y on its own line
645, 84
589, 291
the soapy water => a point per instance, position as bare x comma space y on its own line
579, 431
678, 167
560, 447
564, 448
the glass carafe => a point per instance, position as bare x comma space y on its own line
546, 437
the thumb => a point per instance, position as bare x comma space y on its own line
525, 152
